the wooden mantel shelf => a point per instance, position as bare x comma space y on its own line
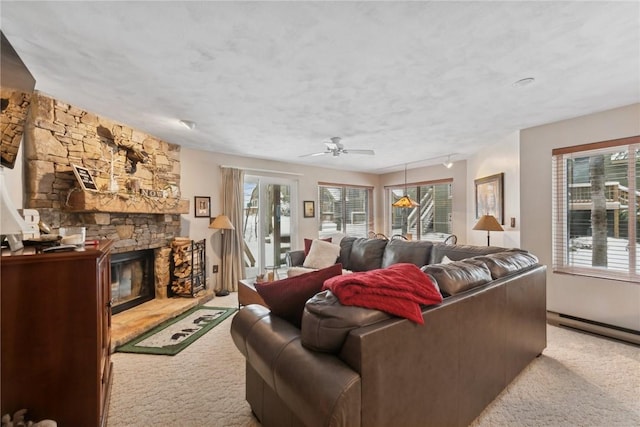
88, 201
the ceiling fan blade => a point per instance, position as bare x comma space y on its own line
316, 154
353, 151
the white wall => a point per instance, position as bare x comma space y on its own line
608, 301
503, 156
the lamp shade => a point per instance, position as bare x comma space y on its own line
405, 202
488, 223
221, 222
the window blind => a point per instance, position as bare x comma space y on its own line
595, 209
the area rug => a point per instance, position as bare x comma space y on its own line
171, 337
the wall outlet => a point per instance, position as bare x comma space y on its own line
215, 268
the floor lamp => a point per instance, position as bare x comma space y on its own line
221, 222
489, 223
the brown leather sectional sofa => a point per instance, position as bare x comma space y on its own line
350, 366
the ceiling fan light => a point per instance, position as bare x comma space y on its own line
448, 164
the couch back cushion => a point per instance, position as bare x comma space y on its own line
458, 276
414, 252
326, 323
459, 252
503, 264
345, 251
366, 254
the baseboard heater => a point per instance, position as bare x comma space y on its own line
610, 331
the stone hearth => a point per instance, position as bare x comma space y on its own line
136, 321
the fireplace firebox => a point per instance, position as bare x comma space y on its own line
132, 279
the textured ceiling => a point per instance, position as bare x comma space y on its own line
274, 80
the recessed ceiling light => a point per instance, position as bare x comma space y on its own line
524, 82
188, 124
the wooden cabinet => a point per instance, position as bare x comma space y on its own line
56, 323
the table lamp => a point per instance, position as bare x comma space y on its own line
489, 223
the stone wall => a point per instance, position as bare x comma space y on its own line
15, 106
125, 164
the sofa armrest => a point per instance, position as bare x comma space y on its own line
295, 258
320, 389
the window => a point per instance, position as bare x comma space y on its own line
432, 216
267, 227
595, 212
345, 209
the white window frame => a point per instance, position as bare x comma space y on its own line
344, 188
561, 239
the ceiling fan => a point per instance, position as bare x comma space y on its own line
335, 148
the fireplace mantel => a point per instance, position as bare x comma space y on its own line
87, 201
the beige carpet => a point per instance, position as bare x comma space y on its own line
580, 380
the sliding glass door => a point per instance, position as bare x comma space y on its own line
268, 227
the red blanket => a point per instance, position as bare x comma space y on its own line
398, 289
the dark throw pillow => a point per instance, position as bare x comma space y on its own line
286, 298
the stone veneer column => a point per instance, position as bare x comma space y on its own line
162, 271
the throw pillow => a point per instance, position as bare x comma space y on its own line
286, 298
321, 255
297, 271
307, 244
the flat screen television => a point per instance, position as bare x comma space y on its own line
16, 88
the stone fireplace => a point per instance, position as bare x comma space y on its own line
137, 203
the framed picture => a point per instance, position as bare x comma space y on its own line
202, 207
489, 196
84, 178
309, 209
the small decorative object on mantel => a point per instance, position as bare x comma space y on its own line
19, 421
85, 178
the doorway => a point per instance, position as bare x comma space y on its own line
268, 223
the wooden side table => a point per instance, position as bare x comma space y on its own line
247, 293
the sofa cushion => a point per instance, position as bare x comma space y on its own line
308, 242
326, 323
459, 252
346, 244
366, 254
502, 264
286, 297
321, 255
458, 276
414, 252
